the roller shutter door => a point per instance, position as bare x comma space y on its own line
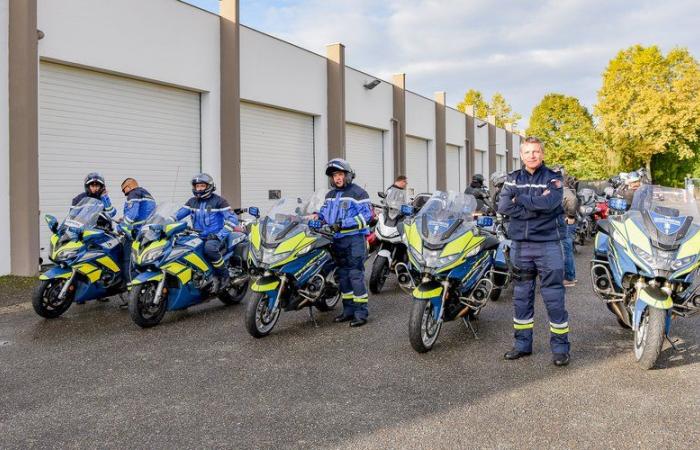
417, 164
454, 168
365, 152
90, 121
277, 154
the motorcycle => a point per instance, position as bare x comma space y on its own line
645, 266
585, 225
391, 247
171, 272
88, 261
293, 262
455, 262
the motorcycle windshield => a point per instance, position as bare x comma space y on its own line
288, 215
445, 216
668, 214
393, 201
84, 214
164, 214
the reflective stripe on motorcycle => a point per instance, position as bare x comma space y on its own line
90, 271
143, 278
66, 275
181, 271
299, 240
195, 260
413, 237
264, 287
417, 293
655, 299
108, 263
255, 235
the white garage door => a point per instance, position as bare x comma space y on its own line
90, 121
277, 154
481, 163
417, 164
454, 168
364, 148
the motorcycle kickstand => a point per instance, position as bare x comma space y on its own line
673, 344
468, 323
311, 314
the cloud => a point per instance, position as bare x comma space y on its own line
523, 49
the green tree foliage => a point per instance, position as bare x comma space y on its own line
503, 112
569, 135
649, 104
476, 99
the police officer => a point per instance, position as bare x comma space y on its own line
400, 184
532, 197
477, 189
139, 205
214, 220
94, 187
347, 210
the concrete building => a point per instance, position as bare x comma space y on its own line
160, 90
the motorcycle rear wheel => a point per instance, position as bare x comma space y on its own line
380, 272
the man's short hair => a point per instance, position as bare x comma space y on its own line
400, 178
532, 140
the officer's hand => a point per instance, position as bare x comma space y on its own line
546, 192
335, 228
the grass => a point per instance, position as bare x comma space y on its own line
11, 285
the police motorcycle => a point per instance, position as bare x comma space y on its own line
391, 247
454, 260
645, 266
88, 260
290, 253
171, 272
585, 224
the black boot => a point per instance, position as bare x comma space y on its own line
561, 359
342, 318
358, 322
516, 354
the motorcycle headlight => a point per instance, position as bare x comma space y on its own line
677, 264
150, 256
645, 256
269, 257
433, 259
416, 254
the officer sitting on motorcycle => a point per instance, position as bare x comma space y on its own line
479, 191
94, 186
400, 184
347, 210
214, 220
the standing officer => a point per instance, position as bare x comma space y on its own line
532, 197
347, 210
214, 220
138, 207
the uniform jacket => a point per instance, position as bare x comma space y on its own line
533, 216
211, 216
349, 208
138, 207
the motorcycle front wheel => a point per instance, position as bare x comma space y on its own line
45, 299
649, 337
142, 309
259, 320
423, 327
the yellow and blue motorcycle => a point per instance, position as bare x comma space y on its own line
293, 263
645, 265
455, 260
87, 257
171, 272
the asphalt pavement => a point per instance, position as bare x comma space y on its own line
92, 379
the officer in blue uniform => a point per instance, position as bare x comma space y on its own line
94, 187
347, 210
532, 198
214, 220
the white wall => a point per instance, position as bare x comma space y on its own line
516, 151
455, 125
279, 74
420, 122
4, 143
481, 135
161, 40
500, 141
373, 108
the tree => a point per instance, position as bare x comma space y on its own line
566, 128
502, 111
650, 104
476, 99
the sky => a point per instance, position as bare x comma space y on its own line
523, 49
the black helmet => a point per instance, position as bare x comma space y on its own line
94, 177
340, 165
206, 179
478, 178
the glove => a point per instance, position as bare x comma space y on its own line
335, 228
315, 224
124, 228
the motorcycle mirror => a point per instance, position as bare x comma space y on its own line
174, 228
381, 194
51, 222
315, 224
407, 210
254, 211
484, 221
